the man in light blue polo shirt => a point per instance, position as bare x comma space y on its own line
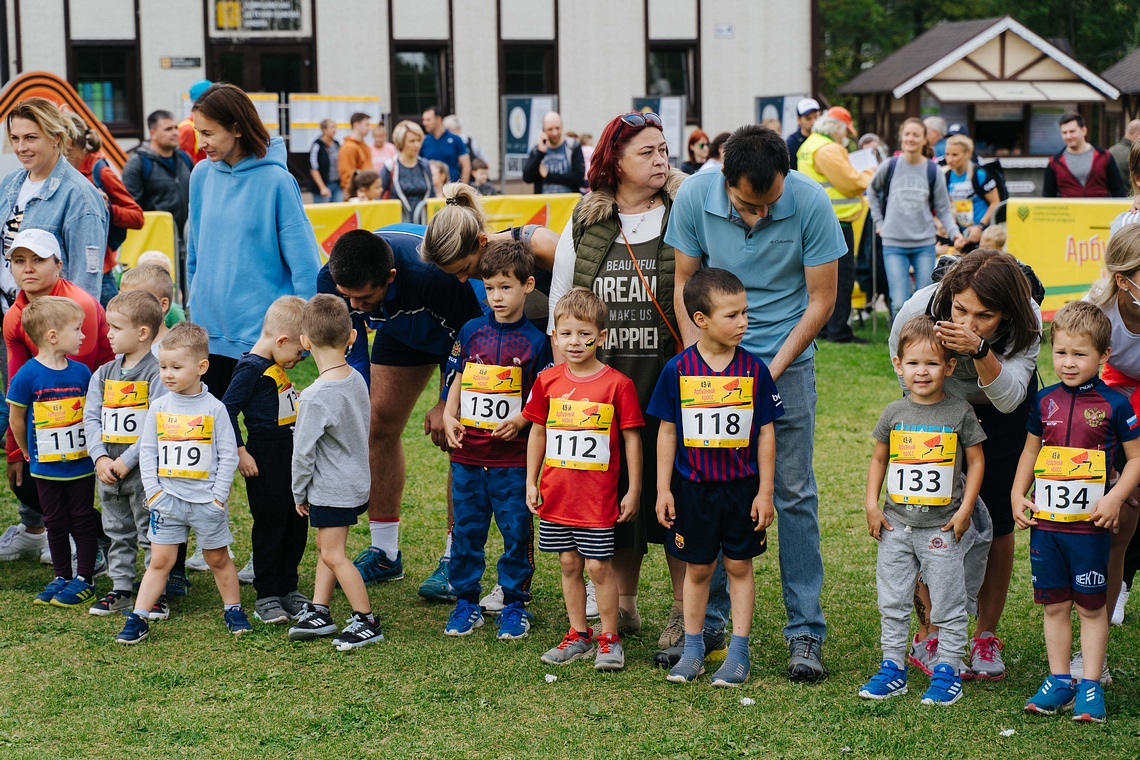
773, 228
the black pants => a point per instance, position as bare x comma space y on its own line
1131, 560
279, 533
218, 374
837, 327
69, 514
867, 284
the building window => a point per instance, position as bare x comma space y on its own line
672, 70
419, 80
529, 70
107, 78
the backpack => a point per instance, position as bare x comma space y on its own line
115, 235
148, 163
931, 178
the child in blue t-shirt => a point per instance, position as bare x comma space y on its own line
494, 363
46, 398
718, 499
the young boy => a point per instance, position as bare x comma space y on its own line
1077, 429
187, 459
584, 414
495, 361
261, 391
719, 498
331, 478
118, 399
919, 442
53, 388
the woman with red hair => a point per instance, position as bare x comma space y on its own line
698, 151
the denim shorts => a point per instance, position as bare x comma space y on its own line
172, 519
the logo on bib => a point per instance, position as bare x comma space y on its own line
1094, 417
679, 541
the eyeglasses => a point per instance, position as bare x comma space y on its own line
701, 145
638, 120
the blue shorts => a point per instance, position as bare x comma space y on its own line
334, 517
1069, 567
714, 517
591, 543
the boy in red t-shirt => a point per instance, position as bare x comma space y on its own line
579, 408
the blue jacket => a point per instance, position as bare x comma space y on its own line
69, 207
248, 243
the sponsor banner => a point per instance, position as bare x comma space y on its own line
504, 211
331, 220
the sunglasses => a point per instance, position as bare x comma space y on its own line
701, 145
638, 120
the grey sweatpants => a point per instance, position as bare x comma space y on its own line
126, 519
903, 552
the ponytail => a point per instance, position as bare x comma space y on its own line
453, 233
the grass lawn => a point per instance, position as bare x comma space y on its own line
67, 690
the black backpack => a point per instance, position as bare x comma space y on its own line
115, 235
931, 178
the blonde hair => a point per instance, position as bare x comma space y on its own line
48, 118
154, 258
1083, 319
453, 233
1121, 257
152, 278
963, 142
190, 336
582, 304
140, 308
284, 317
994, 237
84, 135
325, 322
401, 130
49, 313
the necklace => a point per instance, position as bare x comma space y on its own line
637, 224
330, 369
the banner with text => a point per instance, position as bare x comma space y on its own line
522, 126
504, 211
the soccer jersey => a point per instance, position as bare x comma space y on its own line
584, 417
498, 362
1090, 417
54, 398
718, 414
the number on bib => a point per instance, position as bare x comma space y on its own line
489, 395
921, 468
964, 212
60, 436
578, 435
286, 395
716, 412
185, 445
125, 405
1068, 483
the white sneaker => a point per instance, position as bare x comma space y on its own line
45, 553
1118, 612
245, 575
493, 602
1077, 669
197, 562
17, 542
591, 601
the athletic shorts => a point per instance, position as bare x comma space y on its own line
335, 517
591, 543
390, 352
172, 519
1069, 566
714, 517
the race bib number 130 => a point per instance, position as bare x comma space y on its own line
921, 468
1068, 483
185, 445
578, 435
489, 395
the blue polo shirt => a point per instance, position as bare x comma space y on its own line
800, 231
448, 148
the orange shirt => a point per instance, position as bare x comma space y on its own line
188, 139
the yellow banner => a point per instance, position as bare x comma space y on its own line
331, 220
1064, 240
504, 211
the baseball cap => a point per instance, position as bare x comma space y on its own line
198, 88
841, 113
957, 129
40, 242
806, 106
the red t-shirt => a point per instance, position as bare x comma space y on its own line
584, 417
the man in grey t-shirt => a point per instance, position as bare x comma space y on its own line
555, 165
1081, 170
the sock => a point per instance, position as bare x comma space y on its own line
232, 607
585, 634
144, 614
1065, 678
447, 547
678, 606
386, 536
738, 649
694, 647
321, 608
83, 578
364, 616
628, 603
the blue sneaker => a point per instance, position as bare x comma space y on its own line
375, 566
437, 586
135, 630
237, 622
177, 584
74, 594
945, 687
50, 590
1088, 706
514, 621
464, 619
1053, 696
890, 681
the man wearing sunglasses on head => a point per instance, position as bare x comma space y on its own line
773, 228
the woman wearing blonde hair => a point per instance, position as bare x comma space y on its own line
48, 193
973, 191
407, 177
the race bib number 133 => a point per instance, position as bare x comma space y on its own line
921, 468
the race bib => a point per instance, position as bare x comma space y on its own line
59, 430
716, 412
489, 395
578, 435
964, 212
185, 445
921, 468
1067, 483
124, 408
286, 395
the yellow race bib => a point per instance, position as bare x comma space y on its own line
964, 212
716, 412
1067, 483
59, 430
286, 395
578, 434
921, 468
125, 404
185, 445
489, 394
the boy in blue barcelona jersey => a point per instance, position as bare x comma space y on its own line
1077, 430
494, 363
714, 492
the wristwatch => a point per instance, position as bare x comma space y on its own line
983, 349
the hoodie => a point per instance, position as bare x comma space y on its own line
248, 243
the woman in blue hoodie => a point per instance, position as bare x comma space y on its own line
249, 240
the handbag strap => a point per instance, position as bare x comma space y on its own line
645, 283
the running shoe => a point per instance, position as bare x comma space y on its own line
197, 562
923, 654
572, 647
269, 610
1117, 612
177, 584
100, 563
359, 632
114, 602
54, 587
237, 622
76, 593
1077, 669
492, 602
629, 622
18, 543
889, 682
294, 603
160, 610
246, 574
464, 619
437, 586
311, 624
610, 654
1088, 707
514, 622
945, 686
375, 566
674, 631
135, 630
1053, 696
986, 663
591, 602
804, 658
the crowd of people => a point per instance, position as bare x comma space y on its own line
633, 380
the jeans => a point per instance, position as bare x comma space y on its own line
336, 197
898, 263
797, 503
109, 290
837, 327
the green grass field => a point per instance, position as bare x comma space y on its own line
192, 690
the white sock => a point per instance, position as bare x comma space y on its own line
447, 547
386, 536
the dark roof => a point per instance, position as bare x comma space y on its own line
1125, 73
904, 63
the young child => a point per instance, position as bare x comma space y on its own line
157, 281
919, 445
495, 361
365, 186
118, 399
480, 179
46, 398
187, 459
584, 414
719, 497
1077, 429
261, 391
330, 472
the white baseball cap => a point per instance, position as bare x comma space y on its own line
40, 242
806, 106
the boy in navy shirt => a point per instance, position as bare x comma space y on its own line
494, 363
54, 388
721, 401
